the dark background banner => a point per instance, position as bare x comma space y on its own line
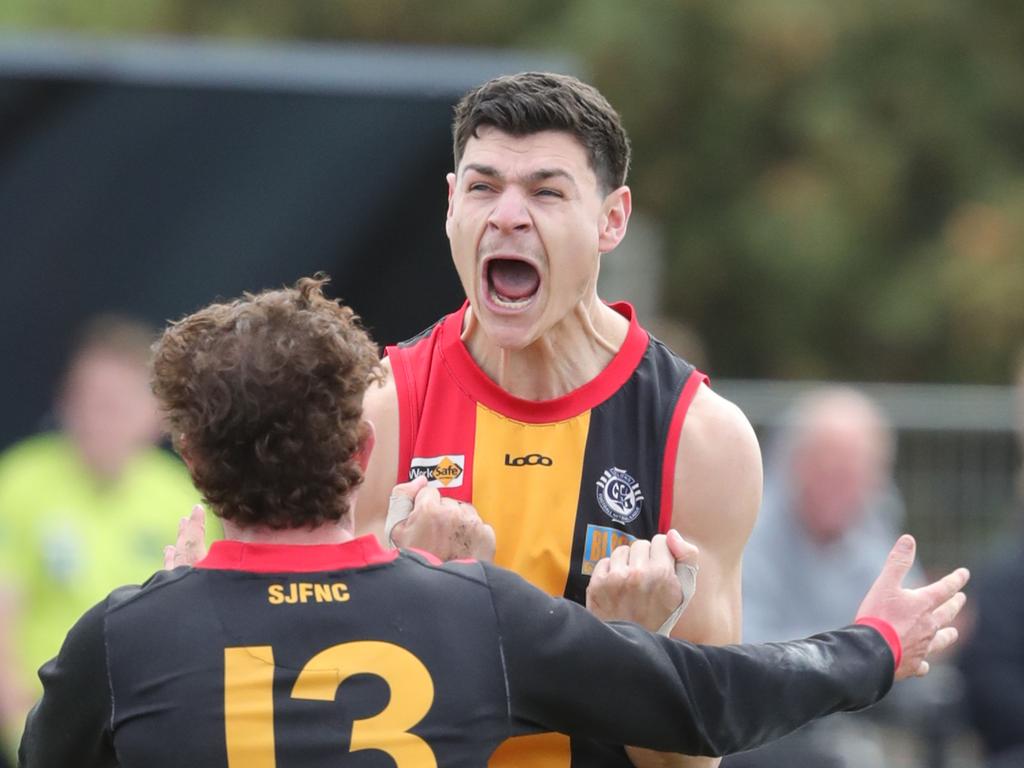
150, 179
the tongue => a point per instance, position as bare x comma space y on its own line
513, 279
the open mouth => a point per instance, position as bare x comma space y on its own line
511, 283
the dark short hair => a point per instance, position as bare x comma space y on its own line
264, 394
116, 335
109, 336
531, 102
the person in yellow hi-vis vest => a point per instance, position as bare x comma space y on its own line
85, 508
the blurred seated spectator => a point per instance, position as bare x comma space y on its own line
830, 510
993, 658
83, 509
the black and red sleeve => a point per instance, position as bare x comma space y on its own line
569, 672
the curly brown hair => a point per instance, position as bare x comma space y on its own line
531, 102
264, 394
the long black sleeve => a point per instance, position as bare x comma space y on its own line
567, 671
70, 725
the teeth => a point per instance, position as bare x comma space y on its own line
510, 303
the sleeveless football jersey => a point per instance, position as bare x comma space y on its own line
563, 482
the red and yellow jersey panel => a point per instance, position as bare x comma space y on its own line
564, 481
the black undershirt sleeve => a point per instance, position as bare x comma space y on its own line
569, 672
70, 725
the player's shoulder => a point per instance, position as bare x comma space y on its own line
479, 576
154, 588
469, 571
718, 473
88, 636
423, 337
717, 430
416, 353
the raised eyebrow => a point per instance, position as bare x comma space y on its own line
483, 170
550, 173
543, 174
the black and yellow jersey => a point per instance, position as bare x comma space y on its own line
563, 482
269, 656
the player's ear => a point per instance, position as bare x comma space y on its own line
615, 211
451, 178
366, 442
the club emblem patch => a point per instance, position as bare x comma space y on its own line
619, 495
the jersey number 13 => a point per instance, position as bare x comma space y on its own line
249, 700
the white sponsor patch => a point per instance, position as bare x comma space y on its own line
444, 471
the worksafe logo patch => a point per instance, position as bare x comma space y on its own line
619, 495
441, 471
599, 543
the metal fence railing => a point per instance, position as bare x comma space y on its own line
957, 459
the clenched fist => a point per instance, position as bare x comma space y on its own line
639, 582
446, 528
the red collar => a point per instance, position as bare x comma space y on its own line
233, 555
590, 395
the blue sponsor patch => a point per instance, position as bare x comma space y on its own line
599, 544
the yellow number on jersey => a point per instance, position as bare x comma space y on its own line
249, 704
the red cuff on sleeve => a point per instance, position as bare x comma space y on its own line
888, 633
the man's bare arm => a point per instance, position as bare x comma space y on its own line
716, 496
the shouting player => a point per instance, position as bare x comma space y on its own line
569, 428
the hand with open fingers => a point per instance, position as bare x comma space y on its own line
639, 582
921, 617
190, 546
447, 528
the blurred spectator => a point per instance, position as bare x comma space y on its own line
85, 509
829, 516
993, 658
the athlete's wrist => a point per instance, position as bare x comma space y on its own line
888, 633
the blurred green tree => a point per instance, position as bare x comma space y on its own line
841, 186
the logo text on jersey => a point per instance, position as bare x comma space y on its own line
529, 460
600, 543
619, 495
441, 471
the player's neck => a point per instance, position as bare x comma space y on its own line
563, 359
329, 533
